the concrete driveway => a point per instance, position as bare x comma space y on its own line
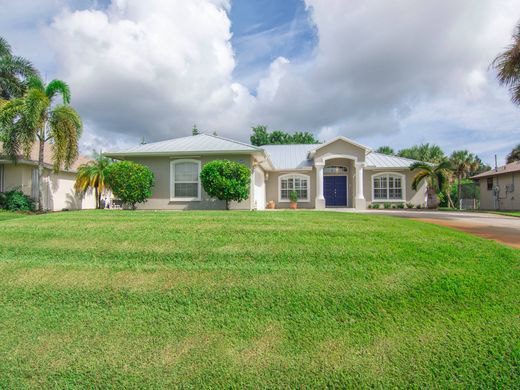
496, 227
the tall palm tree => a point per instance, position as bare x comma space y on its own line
514, 155
462, 162
35, 117
92, 175
437, 177
507, 65
14, 72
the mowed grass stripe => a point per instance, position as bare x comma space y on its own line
239, 299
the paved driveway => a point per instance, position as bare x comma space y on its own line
491, 226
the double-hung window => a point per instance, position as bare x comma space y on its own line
185, 180
298, 183
388, 186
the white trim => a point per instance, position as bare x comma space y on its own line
330, 156
287, 175
173, 198
403, 187
344, 139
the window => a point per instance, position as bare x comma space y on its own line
185, 182
298, 183
335, 169
388, 186
490, 183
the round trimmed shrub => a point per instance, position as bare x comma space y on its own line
226, 180
130, 182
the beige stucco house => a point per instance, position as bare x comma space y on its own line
58, 187
497, 187
337, 173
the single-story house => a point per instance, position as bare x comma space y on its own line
337, 173
497, 187
58, 187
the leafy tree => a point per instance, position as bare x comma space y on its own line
507, 65
386, 150
514, 155
226, 180
437, 177
195, 130
424, 152
481, 166
462, 162
261, 136
93, 175
14, 72
35, 117
130, 182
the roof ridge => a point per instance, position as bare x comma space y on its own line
231, 140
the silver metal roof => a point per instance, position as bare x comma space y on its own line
285, 157
201, 143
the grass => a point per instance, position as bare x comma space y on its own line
509, 213
243, 299
5, 215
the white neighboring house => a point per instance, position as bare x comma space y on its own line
58, 188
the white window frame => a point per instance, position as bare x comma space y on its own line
294, 175
174, 198
387, 174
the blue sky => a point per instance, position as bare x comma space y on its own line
382, 73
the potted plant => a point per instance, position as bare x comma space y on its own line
293, 196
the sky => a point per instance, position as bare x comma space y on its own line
382, 73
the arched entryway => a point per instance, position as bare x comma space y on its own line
336, 185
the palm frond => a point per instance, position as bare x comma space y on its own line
35, 82
5, 48
36, 105
65, 129
418, 178
56, 87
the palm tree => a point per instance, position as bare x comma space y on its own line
92, 175
14, 72
463, 162
437, 177
423, 152
34, 117
386, 150
514, 155
507, 65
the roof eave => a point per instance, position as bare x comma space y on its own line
183, 153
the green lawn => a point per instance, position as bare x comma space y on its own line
250, 299
510, 213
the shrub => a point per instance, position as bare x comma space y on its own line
226, 180
130, 182
16, 200
293, 196
387, 205
375, 205
418, 206
409, 205
400, 205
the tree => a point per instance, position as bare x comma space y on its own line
93, 175
14, 72
35, 117
386, 150
507, 65
437, 177
462, 163
130, 182
226, 180
514, 155
424, 152
195, 131
261, 136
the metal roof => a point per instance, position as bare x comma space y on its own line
379, 160
201, 143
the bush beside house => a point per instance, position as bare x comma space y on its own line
130, 182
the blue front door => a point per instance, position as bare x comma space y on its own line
335, 191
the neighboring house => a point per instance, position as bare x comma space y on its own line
58, 188
338, 173
497, 187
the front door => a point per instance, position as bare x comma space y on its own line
335, 191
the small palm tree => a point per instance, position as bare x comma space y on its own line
92, 175
462, 162
14, 71
437, 177
386, 150
34, 117
514, 155
507, 64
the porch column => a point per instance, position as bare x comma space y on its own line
360, 198
320, 199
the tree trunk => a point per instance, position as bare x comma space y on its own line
97, 198
450, 201
459, 190
227, 204
40, 174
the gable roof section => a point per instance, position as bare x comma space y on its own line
508, 168
201, 143
295, 156
341, 138
380, 160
